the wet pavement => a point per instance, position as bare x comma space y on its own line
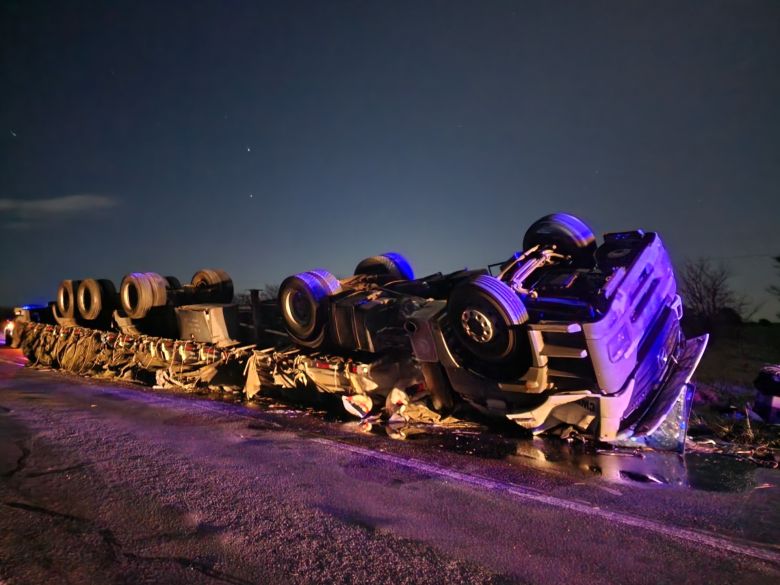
114, 484
497, 440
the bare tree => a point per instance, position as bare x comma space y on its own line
706, 292
241, 298
269, 291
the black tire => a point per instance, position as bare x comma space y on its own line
95, 298
485, 315
141, 291
217, 284
173, 282
329, 282
390, 264
569, 234
303, 301
66, 298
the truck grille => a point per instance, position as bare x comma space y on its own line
656, 354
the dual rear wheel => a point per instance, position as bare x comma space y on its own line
90, 299
96, 298
141, 292
304, 298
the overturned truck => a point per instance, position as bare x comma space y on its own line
564, 334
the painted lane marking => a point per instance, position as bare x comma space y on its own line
20, 362
701, 538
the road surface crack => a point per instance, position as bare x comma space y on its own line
21, 463
202, 567
85, 525
58, 470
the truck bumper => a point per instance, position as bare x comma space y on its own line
659, 423
664, 422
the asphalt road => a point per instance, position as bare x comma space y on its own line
110, 484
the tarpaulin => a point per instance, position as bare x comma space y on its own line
148, 360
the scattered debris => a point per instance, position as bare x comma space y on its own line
155, 361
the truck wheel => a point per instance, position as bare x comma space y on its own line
217, 282
173, 282
569, 234
94, 297
140, 291
485, 315
329, 282
390, 264
303, 302
66, 298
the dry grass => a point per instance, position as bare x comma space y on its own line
725, 393
736, 358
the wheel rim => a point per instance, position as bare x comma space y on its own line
485, 332
485, 316
299, 307
303, 302
476, 325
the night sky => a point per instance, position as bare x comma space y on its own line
268, 138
